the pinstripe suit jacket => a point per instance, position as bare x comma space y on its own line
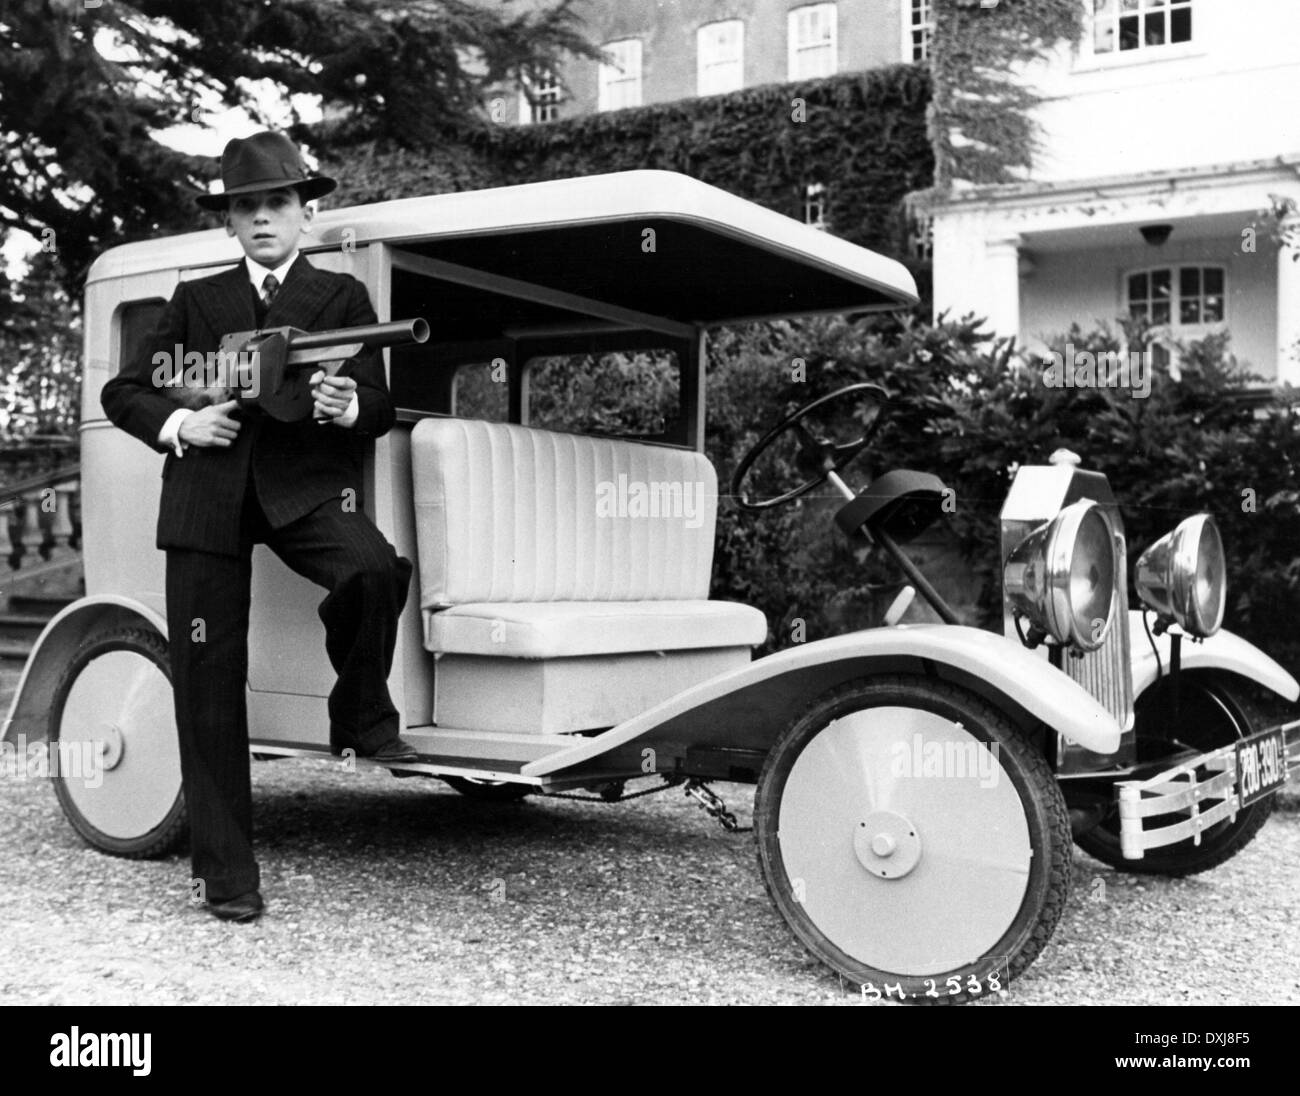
295, 466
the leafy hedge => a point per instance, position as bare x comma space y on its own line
970, 411
862, 135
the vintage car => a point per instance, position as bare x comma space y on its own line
918, 785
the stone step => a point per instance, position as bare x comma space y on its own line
41, 605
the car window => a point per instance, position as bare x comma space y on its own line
619, 393
481, 390
136, 321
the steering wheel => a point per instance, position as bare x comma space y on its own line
828, 455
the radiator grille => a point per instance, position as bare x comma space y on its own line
1106, 672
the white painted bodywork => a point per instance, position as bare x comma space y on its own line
1222, 651
1006, 669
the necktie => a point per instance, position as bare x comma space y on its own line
270, 286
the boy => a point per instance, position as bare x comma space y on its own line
234, 476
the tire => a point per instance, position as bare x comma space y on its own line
489, 791
819, 812
1211, 715
113, 709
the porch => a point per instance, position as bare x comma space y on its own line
1190, 250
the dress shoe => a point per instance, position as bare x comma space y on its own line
395, 749
245, 907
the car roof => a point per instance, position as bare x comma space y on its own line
656, 241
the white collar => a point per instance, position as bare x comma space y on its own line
257, 272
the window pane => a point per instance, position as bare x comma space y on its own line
1137, 287
1189, 281
1180, 26
620, 81
1128, 32
1160, 312
1189, 310
1155, 28
1160, 283
1214, 280
136, 325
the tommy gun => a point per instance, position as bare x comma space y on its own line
272, 366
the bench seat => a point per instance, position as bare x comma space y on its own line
564, 579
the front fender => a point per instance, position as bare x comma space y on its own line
744, 710
30, 709
1222, 651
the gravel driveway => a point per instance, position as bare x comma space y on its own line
401, 891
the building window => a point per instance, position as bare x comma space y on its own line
1121, 26
620, 76
920, 236
1184, 298
811, 37
814, 205
918, 27
720, 57
539, 98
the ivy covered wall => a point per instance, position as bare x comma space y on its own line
863, 136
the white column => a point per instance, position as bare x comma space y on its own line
1002, 290
1288, 310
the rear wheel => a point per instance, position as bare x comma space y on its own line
1210, 715
112, 728
913, 839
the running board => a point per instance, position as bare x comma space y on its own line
425, 764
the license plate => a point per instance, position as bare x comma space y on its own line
1261, 765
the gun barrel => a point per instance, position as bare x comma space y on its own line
372, 335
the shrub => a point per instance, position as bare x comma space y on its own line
971, 410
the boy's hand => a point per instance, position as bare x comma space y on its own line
333, 395
210, 426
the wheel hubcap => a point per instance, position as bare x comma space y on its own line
109, 748
887, 845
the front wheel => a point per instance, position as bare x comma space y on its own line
1210, 715
914, 840
113, 750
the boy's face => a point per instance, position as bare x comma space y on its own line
268, 223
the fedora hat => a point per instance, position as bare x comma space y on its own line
264, 161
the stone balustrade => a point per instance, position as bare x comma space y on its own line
38, 520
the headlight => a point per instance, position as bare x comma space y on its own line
1184, 576
1062, 576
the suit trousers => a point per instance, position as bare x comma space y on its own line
208, 616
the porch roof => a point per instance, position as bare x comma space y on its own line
1033, 192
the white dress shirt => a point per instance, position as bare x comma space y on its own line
170, 434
